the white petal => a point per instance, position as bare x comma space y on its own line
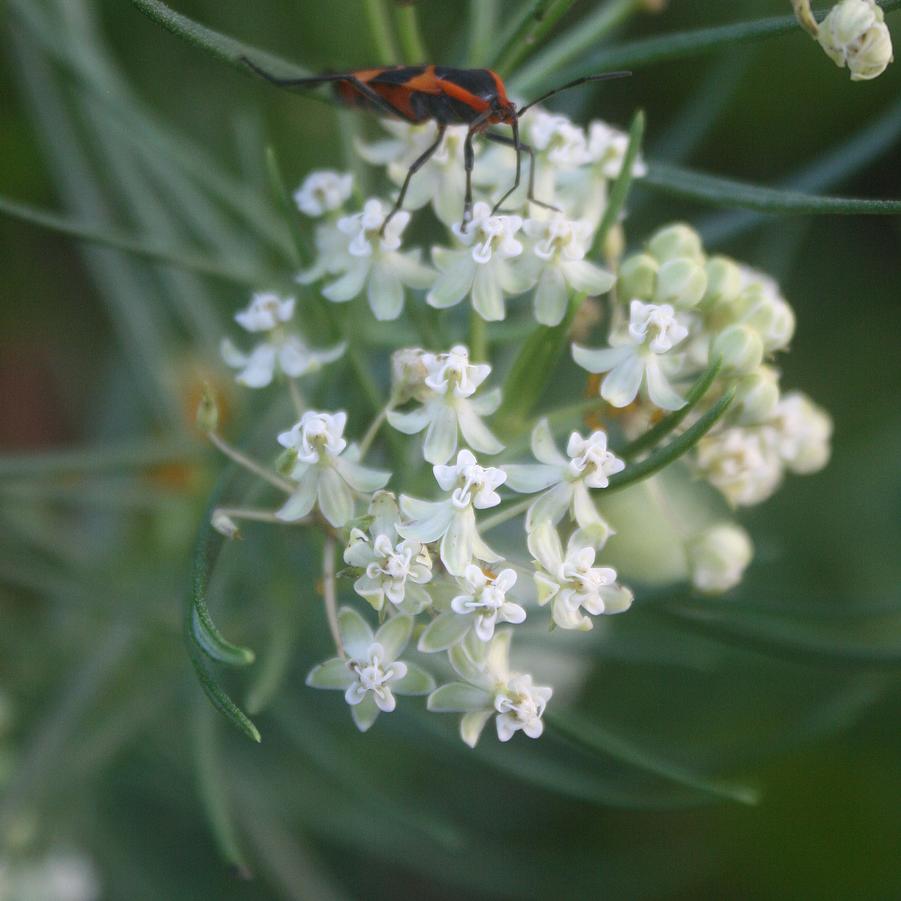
551, 297
602, 360
543, 447
356, 636
365, 713
487, 296
416, 682
457, 542
385, 292
660, 391
410, 423
529, 478
385, 700
394, 635
621, 384
587, 278
335, 499
475, 432
505, 727
458, 697
231, 355
260, 367
333, 673
487, 403
349, 285
453, 283
431, 528
550, 507
472, 724
441, 437
443, 632
545, 547
361, 478
302, 501
410, 271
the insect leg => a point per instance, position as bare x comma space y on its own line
414, 168
508, 142
311, 80
468, 162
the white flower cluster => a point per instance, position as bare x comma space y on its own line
416, 552
854, 34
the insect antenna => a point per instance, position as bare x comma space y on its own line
605, 76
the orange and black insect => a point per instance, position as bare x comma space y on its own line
447, 96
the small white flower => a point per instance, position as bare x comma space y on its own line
452, 521
491, 689
802, 433
482, 267
572, 581
633, 359
373, 261
565, 480
446, 391
486, 598
607, 148
282, 350
557, 264
326, 469
854, 34
554, 136
391, 572
742, 463
323, 191
371, 674
718, 557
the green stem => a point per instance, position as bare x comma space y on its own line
623, 182
478, 338
653, 436
302, 247
583, 36
381, 31
544, 16
482, 29
508, 513
411, 43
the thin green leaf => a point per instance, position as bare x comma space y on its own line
482, 31
221, 46
94, 460
202, 628
623, 181
796, 643
585, 35
598, 739
671, 452
146, 248
543, 17
381, 32
726, 192
214, 794
653, 436
411, 42
684, 44
303, 250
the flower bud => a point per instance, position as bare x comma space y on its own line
756, 396
637, 278
681, 282
855, 34
207, 417
675, 241
408, 374
740, 347
804, 433
718, 557
224, 524
724, 283
769, 315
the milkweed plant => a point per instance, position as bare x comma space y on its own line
479, 518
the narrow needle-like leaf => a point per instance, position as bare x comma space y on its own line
623, 181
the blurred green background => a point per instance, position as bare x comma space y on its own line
107, 746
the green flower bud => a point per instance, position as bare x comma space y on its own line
680, 282
678, 240
718, 557
724, 284
769, 315
207, 418
225, 525
637, 278
741, 349
756, 397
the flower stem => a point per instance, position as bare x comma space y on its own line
259, 515
544, 16
296, 397
410, 36
251, 465
478, 338
330, 594
373, 429
381, 31
506, 514
482, 26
